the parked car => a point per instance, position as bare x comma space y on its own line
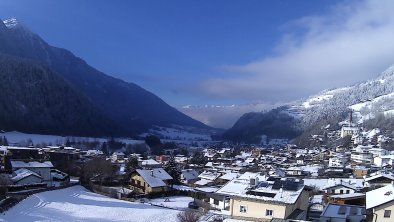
193, 205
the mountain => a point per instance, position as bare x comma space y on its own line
371, 102
131, 107
223, 117
34, 98
250, 128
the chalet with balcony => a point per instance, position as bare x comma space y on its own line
150, 181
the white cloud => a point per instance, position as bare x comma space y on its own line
354, 42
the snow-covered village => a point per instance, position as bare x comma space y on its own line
276, 181
197, 111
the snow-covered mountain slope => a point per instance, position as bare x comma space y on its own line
367, 99
327, 108
322, 96
368, 109
11, 23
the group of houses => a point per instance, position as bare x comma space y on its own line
354, 182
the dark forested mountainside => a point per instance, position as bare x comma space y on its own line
274, 124
130, 106
34, 99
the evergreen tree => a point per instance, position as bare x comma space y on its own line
104, 148
5, 141
172, 169
197, 158
131, 165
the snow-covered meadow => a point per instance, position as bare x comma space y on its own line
78, 204
15, 137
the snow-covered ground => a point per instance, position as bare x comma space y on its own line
78, 204
178, 134
176, 202
15, 137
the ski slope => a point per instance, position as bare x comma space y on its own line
78, 204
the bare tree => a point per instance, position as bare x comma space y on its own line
97, 169
4, 182
189, 216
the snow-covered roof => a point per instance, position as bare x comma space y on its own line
94, 152
342, 183
380, 196
30, 164
249, 160
189, 174
348, 195
264, 190
320, 184
57, 174
229, 176
208, 175
206, 189
23, 173
223, 150
385, 175
387, 157
149, 162
203, 182
210, 155
154, 177
209, 164
294, 169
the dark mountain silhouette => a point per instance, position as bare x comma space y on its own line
131, 107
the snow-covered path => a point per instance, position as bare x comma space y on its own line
78, 204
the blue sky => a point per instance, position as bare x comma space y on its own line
219, 52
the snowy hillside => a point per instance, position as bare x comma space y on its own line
180, 134
323, 96
15, 137
368, 99
368, 109
78, 204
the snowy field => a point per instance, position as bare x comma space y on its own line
176, 202
15, 137
78, 204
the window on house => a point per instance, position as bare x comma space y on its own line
269, 212
348, 191
341, 191
387, 213
216, 202
242, 209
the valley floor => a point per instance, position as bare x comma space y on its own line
78, 204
